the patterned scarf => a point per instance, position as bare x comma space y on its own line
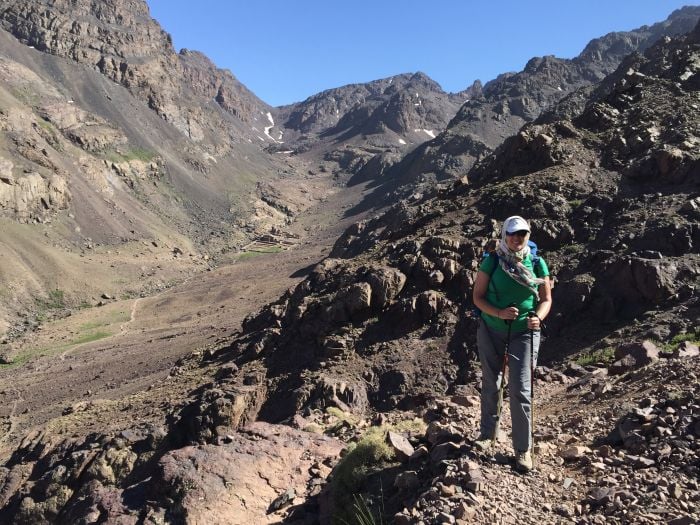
512, 264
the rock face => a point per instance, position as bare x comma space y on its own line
404, 104
243, 481
31, 196
236, 481
122, 41
363, 128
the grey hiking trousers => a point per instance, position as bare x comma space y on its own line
492, 345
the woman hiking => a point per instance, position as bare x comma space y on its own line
512, 290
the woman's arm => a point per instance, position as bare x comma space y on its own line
481, 285
543, 307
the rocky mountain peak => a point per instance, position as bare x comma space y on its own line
420, 79
124, 43
354, 102
616, 45
476, 90
354, 123
84, 30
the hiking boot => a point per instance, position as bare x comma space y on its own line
483, 444
523, 461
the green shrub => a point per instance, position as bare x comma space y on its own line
141, 154
603, 356
674, 343
342, 420
369, 455
362, 513
55, 300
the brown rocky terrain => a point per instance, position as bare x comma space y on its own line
353, 387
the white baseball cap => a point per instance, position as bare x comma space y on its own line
515, 224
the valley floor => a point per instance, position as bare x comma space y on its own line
103, 366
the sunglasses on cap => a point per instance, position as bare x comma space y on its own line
519, 233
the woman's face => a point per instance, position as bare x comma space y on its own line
517, 240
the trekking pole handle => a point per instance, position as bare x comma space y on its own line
509, 321
531, 314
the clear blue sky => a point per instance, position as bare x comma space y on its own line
287, 50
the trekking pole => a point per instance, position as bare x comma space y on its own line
499, 406
532, 385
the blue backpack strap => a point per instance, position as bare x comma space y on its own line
495, 262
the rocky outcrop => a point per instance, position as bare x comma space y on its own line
89, 132
255, 473
241, 479
30, 196
122, 41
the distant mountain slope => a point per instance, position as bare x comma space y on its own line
351, 124
119, 39
513, 99
402, 103
109, 140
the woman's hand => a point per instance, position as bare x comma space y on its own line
534, 323
508, 314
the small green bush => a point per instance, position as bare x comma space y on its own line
674, 343
55, 300
603, 356
369, 455
141, 154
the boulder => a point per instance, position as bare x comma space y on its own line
407, 480
686, 349
623, 365
357, 298
239, 481
574, 452
430, 303
386, 283
654, 279
644, 352
636, 278
448, 267
401, 445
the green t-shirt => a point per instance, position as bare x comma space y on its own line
503, 290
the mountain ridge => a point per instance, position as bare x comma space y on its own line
513, 99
